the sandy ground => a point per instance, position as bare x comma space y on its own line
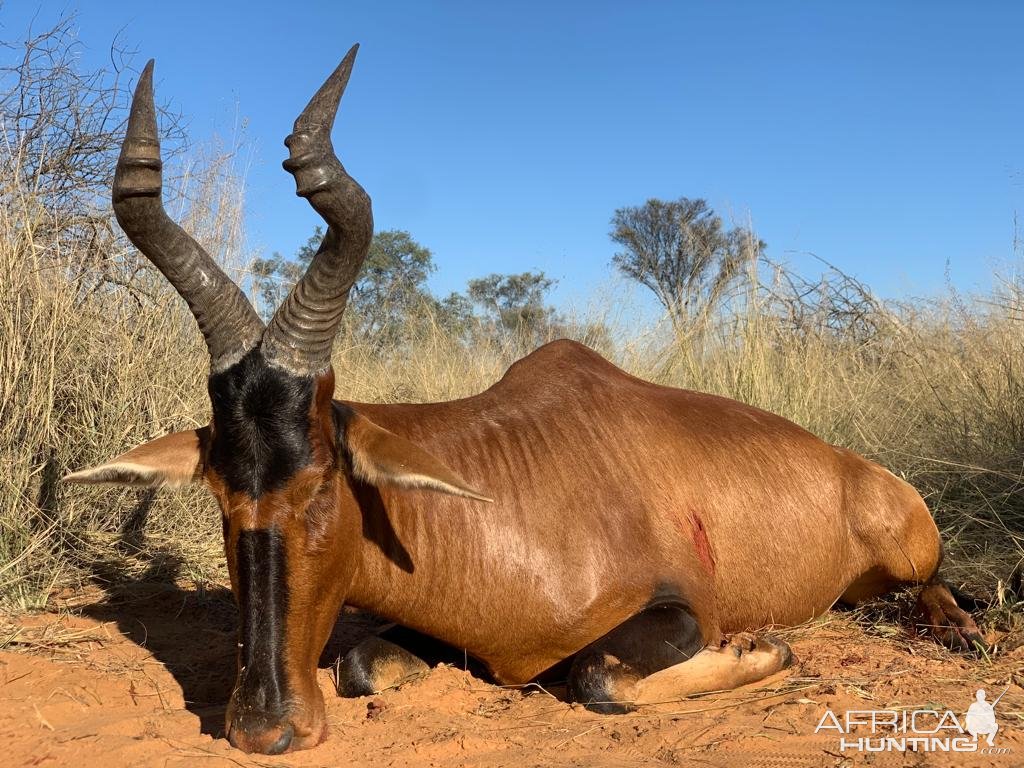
140, 677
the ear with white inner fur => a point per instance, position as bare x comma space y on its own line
380, 457
173, 460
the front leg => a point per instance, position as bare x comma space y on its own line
658, 656
375, 665
604, 675
396, 656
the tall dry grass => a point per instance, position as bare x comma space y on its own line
97, 354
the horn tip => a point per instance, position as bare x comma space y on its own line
145, 83
344, 69
142, 117
323, 107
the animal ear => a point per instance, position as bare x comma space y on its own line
174, 460
380, 457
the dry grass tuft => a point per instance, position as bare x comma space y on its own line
96, 355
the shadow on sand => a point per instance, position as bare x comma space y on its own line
192, 631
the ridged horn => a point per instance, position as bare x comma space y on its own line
228, 322
300, 336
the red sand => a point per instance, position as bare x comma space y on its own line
143, 680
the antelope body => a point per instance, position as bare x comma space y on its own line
570, 513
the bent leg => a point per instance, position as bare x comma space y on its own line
906, 550
741, 659
375, 665
395, 656
657, 655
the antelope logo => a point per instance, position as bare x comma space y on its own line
570, 520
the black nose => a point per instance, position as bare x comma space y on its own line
250, 742
283, 742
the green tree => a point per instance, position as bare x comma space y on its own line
683, 253
455, 314
390, 287
272, 279
392, 284
514, 302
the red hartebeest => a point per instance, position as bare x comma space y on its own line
570, 513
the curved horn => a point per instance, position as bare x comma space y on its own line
227, 320
300, 336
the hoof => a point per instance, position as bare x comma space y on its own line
938, 615
744, 645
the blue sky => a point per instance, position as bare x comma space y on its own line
887, 138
